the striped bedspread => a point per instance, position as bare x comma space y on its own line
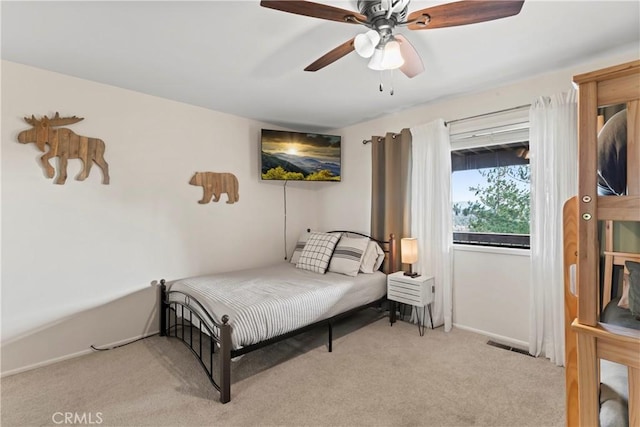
266, 302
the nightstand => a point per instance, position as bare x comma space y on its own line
416, 291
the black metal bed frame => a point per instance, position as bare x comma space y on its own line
219, 334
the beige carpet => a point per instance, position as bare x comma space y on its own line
377, 375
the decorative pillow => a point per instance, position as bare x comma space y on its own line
348, 255
372, 259
317, 252
624, 299
634, 287
302, 240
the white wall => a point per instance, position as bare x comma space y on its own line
491, 292
75, 255
82, 246
483, 282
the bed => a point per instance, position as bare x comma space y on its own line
602, 348
223, 316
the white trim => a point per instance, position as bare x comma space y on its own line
492, 250
522, 345
487, 121
70, 356
479, 140
503, 127
44, 363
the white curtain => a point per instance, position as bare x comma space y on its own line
553, 155
431, 217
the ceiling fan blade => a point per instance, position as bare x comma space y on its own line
332, 56
412, 62
315, 10
463, 13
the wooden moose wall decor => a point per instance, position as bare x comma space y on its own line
214, 184
65, 144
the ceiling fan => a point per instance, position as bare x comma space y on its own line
385, 49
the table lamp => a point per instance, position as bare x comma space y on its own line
409, 253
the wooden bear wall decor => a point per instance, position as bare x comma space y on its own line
214, 184
65, 144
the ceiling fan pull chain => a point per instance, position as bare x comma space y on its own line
391, 79
381, 87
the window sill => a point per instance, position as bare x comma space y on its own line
492, 250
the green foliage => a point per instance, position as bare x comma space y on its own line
502, 206
323, 175
280, 173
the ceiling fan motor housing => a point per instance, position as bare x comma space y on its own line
377, 19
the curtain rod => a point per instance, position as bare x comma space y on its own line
519, 107
366, 141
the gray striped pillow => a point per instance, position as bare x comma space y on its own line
348, 255
317, 252
302, 240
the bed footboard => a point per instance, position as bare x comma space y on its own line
181, 314
179, 318
185, 313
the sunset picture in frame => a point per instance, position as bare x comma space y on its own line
298, 156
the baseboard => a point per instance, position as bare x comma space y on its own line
499, 338
71, 356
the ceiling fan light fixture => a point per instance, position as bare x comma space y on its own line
366, 43
382, 16
386, 57
392, 58
377, 59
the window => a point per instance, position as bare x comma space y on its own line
491, 195
490, 178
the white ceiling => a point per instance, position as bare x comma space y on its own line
246, 60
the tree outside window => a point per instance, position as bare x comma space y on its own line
495, 209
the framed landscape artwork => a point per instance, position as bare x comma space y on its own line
288, 156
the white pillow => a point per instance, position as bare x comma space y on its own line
317, 252
372, 259
302, 240
624, 299
348, 254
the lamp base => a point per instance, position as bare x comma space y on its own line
410, 274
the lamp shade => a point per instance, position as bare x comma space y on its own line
376, 61
366, 43
386, 56
409, 250
392, 56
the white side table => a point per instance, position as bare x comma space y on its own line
416, 291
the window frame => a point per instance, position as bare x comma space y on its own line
481, 132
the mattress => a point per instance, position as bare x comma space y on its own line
266, 302
619, 316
